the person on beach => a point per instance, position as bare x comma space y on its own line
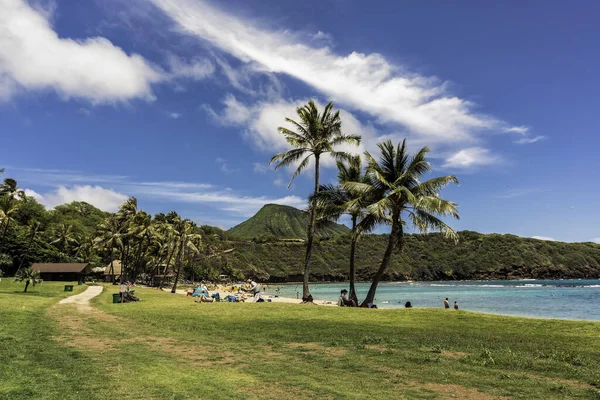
455, 305
255, 289
446, 303
344, 301
408, 304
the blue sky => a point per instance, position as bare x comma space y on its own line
177, 102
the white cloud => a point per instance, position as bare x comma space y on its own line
33, 57
34, 194
84, 111
522, 130
366, 82
196, 69
261, 168
544, 238
527, 140
224, 166
322, 38
279, 182
104, 199
174, 115
471, 157
595, 240
262, 119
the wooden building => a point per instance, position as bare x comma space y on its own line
68, 272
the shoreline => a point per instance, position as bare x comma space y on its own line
290, 300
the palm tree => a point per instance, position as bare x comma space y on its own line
84, 251
110, 237
10, 188
399, 197
315, 135
29, 276
143, 231
335, 200
185, 241
126, 216
64, 237
34, 227
8, 208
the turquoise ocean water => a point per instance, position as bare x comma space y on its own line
564, 299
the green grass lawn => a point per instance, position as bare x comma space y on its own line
167, 346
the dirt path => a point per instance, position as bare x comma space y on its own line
82, 300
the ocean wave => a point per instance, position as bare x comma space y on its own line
532, 285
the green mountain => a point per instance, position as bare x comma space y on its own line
277, 221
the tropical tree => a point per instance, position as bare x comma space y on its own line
334, 200
64, 237
29, 276
110, 238
34, 228
314, 135
399, 197
10, 188
8, 210
187, 240
6, 262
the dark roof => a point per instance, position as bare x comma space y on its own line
59, 267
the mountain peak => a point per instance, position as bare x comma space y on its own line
283, 222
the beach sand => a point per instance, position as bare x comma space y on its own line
223, 292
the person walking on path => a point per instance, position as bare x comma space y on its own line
446, 303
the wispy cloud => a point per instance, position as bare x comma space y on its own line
517, 129
106, 191
422, 105
224, 166
471, 157
261, 168
262, 118
595, 240
510, 194
529, 140
174, 115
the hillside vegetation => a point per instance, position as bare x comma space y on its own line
277, 221
427, 257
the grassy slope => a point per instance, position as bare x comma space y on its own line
428, 257
283, 222
169, 347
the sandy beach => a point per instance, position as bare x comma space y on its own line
268, 297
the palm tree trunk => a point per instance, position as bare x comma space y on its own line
179, 256
396, 228
162, 279
306, 296
26, 286
124, 262
26, 251
4, 233
352, 253
112, 267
